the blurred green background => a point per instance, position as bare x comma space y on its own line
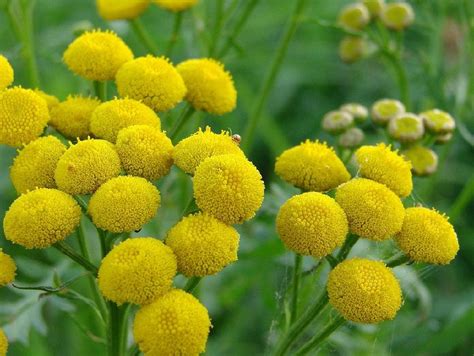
245, 300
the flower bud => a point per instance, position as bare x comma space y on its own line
352, 48
351, 138
385, 109
438, 121
423, 160
354, 17
406, 127
397, 16
337, 121
358, 111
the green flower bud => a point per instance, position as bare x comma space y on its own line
423, 160
358, 111
406, 127
397, 16
337, 121
386, 109
351, 138
354, 17
437, 121
352, 48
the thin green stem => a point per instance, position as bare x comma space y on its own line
271, 75
351, 240
100, 89
115, 333
397, 260
144, 36
68, 251
332, 261
191, 284
178, 20
464, 197
219, 16
181, 121
296, 286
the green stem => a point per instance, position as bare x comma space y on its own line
115, 334
68, 251
332, 261
184, 117
351, 240
272, 75
296, 286
397, 260
100, 89
400, 76
191, 284
464, 197
219, 16
317, 339
178, 20
144, 36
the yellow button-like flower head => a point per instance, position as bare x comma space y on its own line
41, 218
3, 343
406, 127
35, 164
112, 116
121, 9
23, 116
354, 17
124, 204
51, 100
175, 324
153, 80
312, 224
97, 55
228, 187
385, 166
311, 166
423, 160
373, 210
203, 245
210, 86
386, 109
427, 236
175, 5
438, 121
72, 116
397, 15
7, 269
6, 73
191, 151
364, 291
352, 48
337, 121
145, 151
86, 165
138, 271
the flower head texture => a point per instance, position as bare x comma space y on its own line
176, 5
175, 324
35, 164
423, 160
352, 48
351, 138
210, 87
41, 218
114, 115
121, 9
397, 15
427, 236
144, 151
228, 187
358, 111
354, 17
124, 204
385, 166
438, 122
386, 109
312, 224
97, 55
86, 165
203, 245
7, 269
364, 291
51, 100
6, 73
138, 270
406, 127
192, 150
23, 116
153, 80
337, 121
311, 166
72, 116
3, 343
374, 6
373, 210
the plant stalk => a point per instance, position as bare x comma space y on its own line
68, 251
100, 89
178, 20
144, 36
296, 286
192, 283
181, 121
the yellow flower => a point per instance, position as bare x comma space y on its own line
124, 204
3, 343
145, 151
175, 324
311, 166
203, 245
373, 210
427, 236
121, 9
397, 15
152, 80
312, 224
337, 121
354, 17
374, 6
438, 122
112, 116
364, 291
97, 55
175, 5
86, 165
351, 138
386, 109
51, 100
7, 270
358, 111
352, 48
406, 127
423, 160
191, 151
210, 87
228, 187
6, 73
385, 166
72, 116
41, 218
23, 116
34, 165
138, 271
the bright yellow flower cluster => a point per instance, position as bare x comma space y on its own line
3, 343
7, 269
176, 5
6, 73
51, 100
121, 9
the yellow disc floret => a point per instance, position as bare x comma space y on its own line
373, 210
86, 165
427, 236
385, 166
311, 166
364, 291
312, 224
191, 151
137, 271
7, 269
121, 9
210, 87
397, 15
41, 218
423, 160
175, 324
438, 121
175, 5
35, 164
153, 80
112, 116
203, 245
228, 187
354, 17
6, 73
124, 204
72, 116
145, 151
51, 100
97, 55
3, 343
23, 116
